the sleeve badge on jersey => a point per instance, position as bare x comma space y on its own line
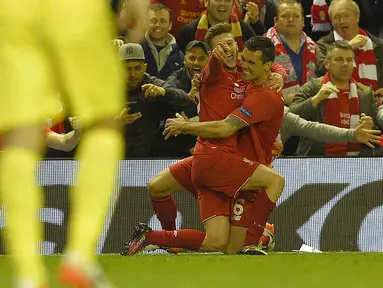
246, 112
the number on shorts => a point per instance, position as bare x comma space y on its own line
238, 209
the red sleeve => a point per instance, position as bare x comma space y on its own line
212, 71
278, 68
255, 108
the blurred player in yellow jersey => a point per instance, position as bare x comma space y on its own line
45, 46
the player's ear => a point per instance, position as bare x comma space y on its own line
267, 66
145, 66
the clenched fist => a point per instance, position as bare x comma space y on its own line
323, 93
152, 90
358, 41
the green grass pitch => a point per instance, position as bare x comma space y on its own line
220, 271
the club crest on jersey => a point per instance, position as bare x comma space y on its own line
246, 112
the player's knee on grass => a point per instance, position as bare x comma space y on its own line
236, 239
215, 242
163, 184
217, 234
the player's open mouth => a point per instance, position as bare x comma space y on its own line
222, 10
196, 69
230, 56
158, 30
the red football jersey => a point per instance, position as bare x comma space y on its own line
262, 109
221, 92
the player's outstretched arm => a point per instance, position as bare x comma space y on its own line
210, 129
293, 125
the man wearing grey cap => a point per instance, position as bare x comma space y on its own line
196, 58
151, 101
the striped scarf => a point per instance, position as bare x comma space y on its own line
282, 57
338, 115
203, 26
364, 63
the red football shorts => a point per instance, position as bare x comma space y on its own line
242, 208
181, 171
221, 171
212, 204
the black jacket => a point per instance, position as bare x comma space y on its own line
173, 61
144, 137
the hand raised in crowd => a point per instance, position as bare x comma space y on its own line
252, 13
117, 43
358, 41
220, 53
173, 126
365, 121
323, 93
76, 123
127, 118
196, 84
275, 82
366, 136
152, 90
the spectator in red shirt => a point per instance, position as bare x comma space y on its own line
218, 12
184, 12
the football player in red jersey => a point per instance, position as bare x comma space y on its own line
215, 206
262, 112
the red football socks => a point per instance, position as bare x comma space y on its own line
263, 207
166, 211
187, 239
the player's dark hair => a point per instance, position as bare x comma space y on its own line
260, 43
158, 7
291, 2
214, 31
340, 45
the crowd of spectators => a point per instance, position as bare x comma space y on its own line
162, 71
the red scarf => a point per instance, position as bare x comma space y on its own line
203, 26
365, 63
343, 116
282, 57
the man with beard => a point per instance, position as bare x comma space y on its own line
196, 58
150, 103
